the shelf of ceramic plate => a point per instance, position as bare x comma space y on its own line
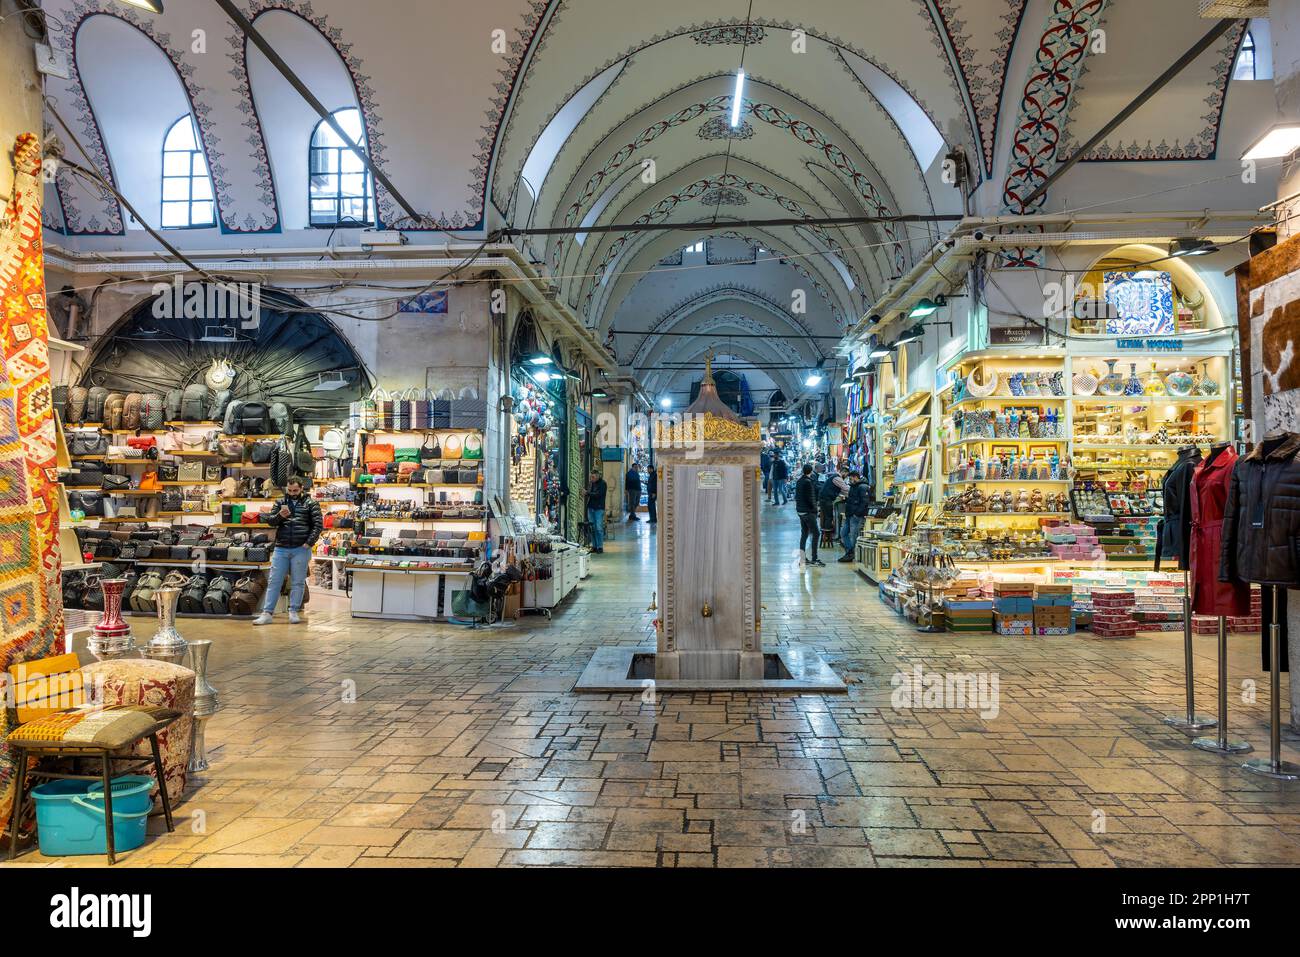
1013, 399
1019, 440
1172, 448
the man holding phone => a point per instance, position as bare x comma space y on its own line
298, 522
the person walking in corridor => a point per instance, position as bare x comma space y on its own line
298, 523
780, 475
805, 504
855, 514
765, 466
652, 493
632, 488
597, 493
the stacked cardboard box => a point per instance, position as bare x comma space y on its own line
1013, 608
1054, 609
963, 616
1112, 613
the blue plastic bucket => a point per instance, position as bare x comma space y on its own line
70, 815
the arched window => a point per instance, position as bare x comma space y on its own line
186, 186
1246, 59
341, 192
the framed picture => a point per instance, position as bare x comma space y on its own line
911, 467
1042, 451
1143, 303
913, 437
1011, 451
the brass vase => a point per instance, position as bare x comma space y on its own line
205, 704
167, 643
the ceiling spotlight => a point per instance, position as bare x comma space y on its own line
666, 402
1191, 247
598, 393
927, 307
326, 382
815, 376
153, 6
542, 376
1281, 140
539, 359
736, 98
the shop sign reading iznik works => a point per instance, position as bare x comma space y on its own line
1142, 303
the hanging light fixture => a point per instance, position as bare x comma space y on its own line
1180, 248
927, 307
736, 98
153, 6
538, 359
326, 382
219, 334
915, 334
815, 376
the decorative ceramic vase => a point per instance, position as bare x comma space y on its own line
1085, 383
1113, 383
1180, 384
1154, 384
111, 637
1133, 385
205, 704
1206, 385
167, 644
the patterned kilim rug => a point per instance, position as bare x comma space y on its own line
31, 606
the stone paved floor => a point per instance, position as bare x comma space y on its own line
467, 748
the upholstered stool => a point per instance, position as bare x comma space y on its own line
156, 684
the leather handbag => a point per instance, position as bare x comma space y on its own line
256, 554
379, 452
453, 446
250, 518
261, 451
115, 483
232, 450
237, 553
87, 443
377, 468
191, 470
406, 455
211, 472
473, 448
77, 405
168, 472
142, 442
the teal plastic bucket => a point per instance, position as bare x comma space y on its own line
70, 815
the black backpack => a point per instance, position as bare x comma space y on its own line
95, 404
172, 404
252, 418
217, 411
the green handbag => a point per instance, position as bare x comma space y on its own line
407, 455
365, 479
473, 447
236, 513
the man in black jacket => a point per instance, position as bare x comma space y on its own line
780, 475
652, 494
805, 504
855, 513
632, 488
297, 521
597, 493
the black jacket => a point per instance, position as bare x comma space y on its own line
633, 482
1261, 522
652, 483
805, 495
1174, 530
302, 527
780, 470
597, 495
858, 501
765, 463
829, 491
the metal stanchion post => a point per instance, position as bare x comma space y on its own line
1221, 744
1273, 766
1193, 721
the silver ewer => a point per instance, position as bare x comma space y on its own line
167, 644
205, 704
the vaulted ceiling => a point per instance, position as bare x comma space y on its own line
598, 113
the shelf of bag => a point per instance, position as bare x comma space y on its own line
180, 423
188, 562
383, 485
81, 567
1017, 441
437, 570
184, 514
142, 460
244, 465
193, 455
83, 425
183, 484
186, 614
86, 458
330, 558
240, 524
421, 521
1020, 399
131, 491
83, 488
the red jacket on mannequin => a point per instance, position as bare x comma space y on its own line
1209, 496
